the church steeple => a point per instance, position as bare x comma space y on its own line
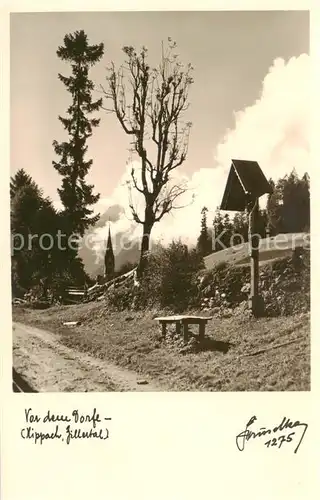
109, 261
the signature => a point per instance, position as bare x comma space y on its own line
287, 427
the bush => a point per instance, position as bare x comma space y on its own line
169, 281
284, 284
17, 289
224, 283
121, 298
170, 278
175, 280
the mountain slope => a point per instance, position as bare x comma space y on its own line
270, 248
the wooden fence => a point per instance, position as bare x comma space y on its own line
78, 294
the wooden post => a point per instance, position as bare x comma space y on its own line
202, 327
178, 327
164, 329
185, 331
255, 301
268, 231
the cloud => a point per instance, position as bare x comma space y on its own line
57, 204
274, 131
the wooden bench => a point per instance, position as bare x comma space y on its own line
184, 321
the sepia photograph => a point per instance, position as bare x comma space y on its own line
160, 201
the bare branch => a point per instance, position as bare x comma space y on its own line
149, 105
135, 183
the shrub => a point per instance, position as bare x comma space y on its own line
224, 283
284, 284
178, 288
170, 278
17, 289
169, 281
121, 298
175, 280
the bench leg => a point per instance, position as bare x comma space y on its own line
178, 327
185, 332
202, 328
164, 330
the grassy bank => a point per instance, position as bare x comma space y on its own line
241, 354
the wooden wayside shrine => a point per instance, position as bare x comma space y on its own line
245, 184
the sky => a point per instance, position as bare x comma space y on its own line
249, 100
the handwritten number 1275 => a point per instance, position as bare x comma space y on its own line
278, 441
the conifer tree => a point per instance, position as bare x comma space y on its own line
218, 232
295, 202
228, 230
204, 240
32, 216
19, 180
274, 209
288, 207
240, 228
75, 194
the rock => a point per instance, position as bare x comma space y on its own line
142, 382
225, 313
246, 288
71, 323
215, 310
184, 350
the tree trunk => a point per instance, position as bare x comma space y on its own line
145, 245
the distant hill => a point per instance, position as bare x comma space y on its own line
270, 249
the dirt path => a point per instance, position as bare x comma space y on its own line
49, 366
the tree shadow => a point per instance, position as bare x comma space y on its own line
209, 344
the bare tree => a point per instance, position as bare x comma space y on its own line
149, 104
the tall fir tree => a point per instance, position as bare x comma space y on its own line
204, 243
288, 207
19, 180
32, 216
75, 194
240, 228
228, 230
37, 258
218, 232
274, 210
262, 223
305, 202
295, 202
